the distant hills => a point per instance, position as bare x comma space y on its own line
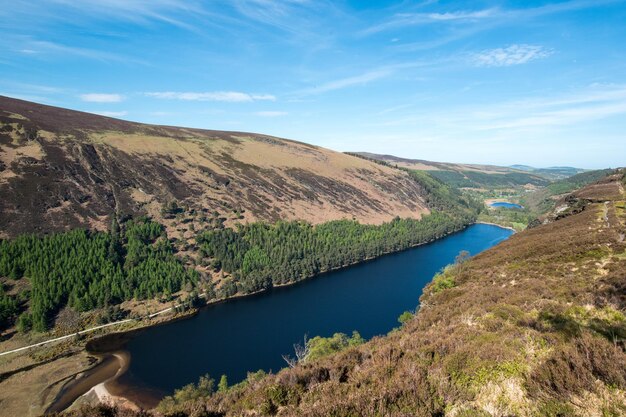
61, 169
550, 172
473, 175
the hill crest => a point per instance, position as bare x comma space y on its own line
61, 169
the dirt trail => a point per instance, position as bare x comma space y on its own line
605, 214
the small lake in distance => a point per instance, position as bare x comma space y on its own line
505, 204
252, 333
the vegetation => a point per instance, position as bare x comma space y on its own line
542, 201
260, 255
319, 347
516, 219
87, 270
203, 389
533, 327
476, 179
8, 308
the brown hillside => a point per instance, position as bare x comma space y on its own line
535, 326
61, 169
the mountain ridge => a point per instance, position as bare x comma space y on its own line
73, 169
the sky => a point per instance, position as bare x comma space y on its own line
495, 82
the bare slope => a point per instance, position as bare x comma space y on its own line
61, 169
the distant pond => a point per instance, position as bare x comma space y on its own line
252, 333
505, 204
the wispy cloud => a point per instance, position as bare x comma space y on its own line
169, 11
223, 96
349, 81
271, 113
495, 14
102, 98
511, 55
40, 49
111, 113
412, 19
534, 114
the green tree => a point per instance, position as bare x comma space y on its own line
223, 384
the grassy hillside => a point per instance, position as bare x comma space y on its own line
533, 327
543, 200
61, 169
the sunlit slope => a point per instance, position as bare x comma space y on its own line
61, 169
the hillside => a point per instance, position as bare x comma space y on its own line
533, 327
61, 169
544, 199
132, 219
469, 175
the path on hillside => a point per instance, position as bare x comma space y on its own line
91, 329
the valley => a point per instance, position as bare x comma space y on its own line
298, 208
111, 262
532, 326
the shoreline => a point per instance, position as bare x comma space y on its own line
498, 225
113, 343
104, 394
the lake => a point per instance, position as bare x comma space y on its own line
505, 204
251, 333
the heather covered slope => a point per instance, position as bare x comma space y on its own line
61, 169
532, 327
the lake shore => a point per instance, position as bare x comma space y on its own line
111, 390
498, 225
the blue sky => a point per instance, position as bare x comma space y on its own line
501, 82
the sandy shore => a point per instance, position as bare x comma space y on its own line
92, 386
102, 392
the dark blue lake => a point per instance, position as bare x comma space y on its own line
254, 332
505, 205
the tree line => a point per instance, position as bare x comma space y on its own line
87, 270
260, 255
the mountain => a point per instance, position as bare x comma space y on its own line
61, 169
466, 175
535, 326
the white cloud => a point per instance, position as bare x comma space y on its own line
102, 98
458, 15
111, 113
349, 81
511, 55
271, 113
411, 19
225, 96
534, 114
499, 16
